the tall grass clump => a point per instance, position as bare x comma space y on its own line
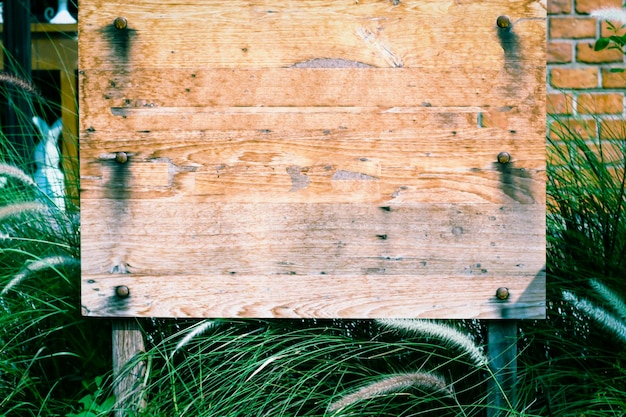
571, 364
312, 368
49, 355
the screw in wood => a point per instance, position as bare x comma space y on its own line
122, 291
121, 157
504, 158
120, 23
504, 22
502, 293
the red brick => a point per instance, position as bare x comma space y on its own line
576, 78
613, 152
613, 79
559, 6
572, 28
586, 54
558, 103
613, 129
559, 52
587, 6
565, 129
609, 103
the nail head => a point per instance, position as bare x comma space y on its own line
121, 157
503, 22
122, 291
504, 157
120, 23
502, 293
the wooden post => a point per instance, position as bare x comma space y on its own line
16, 123
128, 342
502, 352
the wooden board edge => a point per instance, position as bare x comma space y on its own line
325, 296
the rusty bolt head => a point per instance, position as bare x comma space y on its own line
504, 22
504, 157
120, 23
502, 293
122, 291
121, 157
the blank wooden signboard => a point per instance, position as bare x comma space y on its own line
312, 158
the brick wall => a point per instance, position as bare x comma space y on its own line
580, 81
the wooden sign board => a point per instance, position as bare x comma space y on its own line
312, 158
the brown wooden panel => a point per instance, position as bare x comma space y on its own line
328, 296
305, 238
406, 166
169, 91
313, 159
263, 33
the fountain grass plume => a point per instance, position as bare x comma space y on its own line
21, 84
49, 262
392, 384
614, 14
11, 171
610, 297
445, 333
197, 330
600, 315
18, 209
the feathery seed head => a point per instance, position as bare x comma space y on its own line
39, 265
18, 209
446, 334
614, 14
11, 171
391, 384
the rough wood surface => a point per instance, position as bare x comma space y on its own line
128, 343
263, 33
313, 158
309, 296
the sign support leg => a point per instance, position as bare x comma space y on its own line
502, 352
128, 342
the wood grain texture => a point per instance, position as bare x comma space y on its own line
263, 33
326, 296
313, 159
312, 239
127, 344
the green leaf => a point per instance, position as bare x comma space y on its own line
617, 70
601, 44
107, 405
86, 401
617, 39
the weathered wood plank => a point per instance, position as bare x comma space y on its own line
277, 34
480, 240
326, 296
520, 120
411, 165
158, 91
